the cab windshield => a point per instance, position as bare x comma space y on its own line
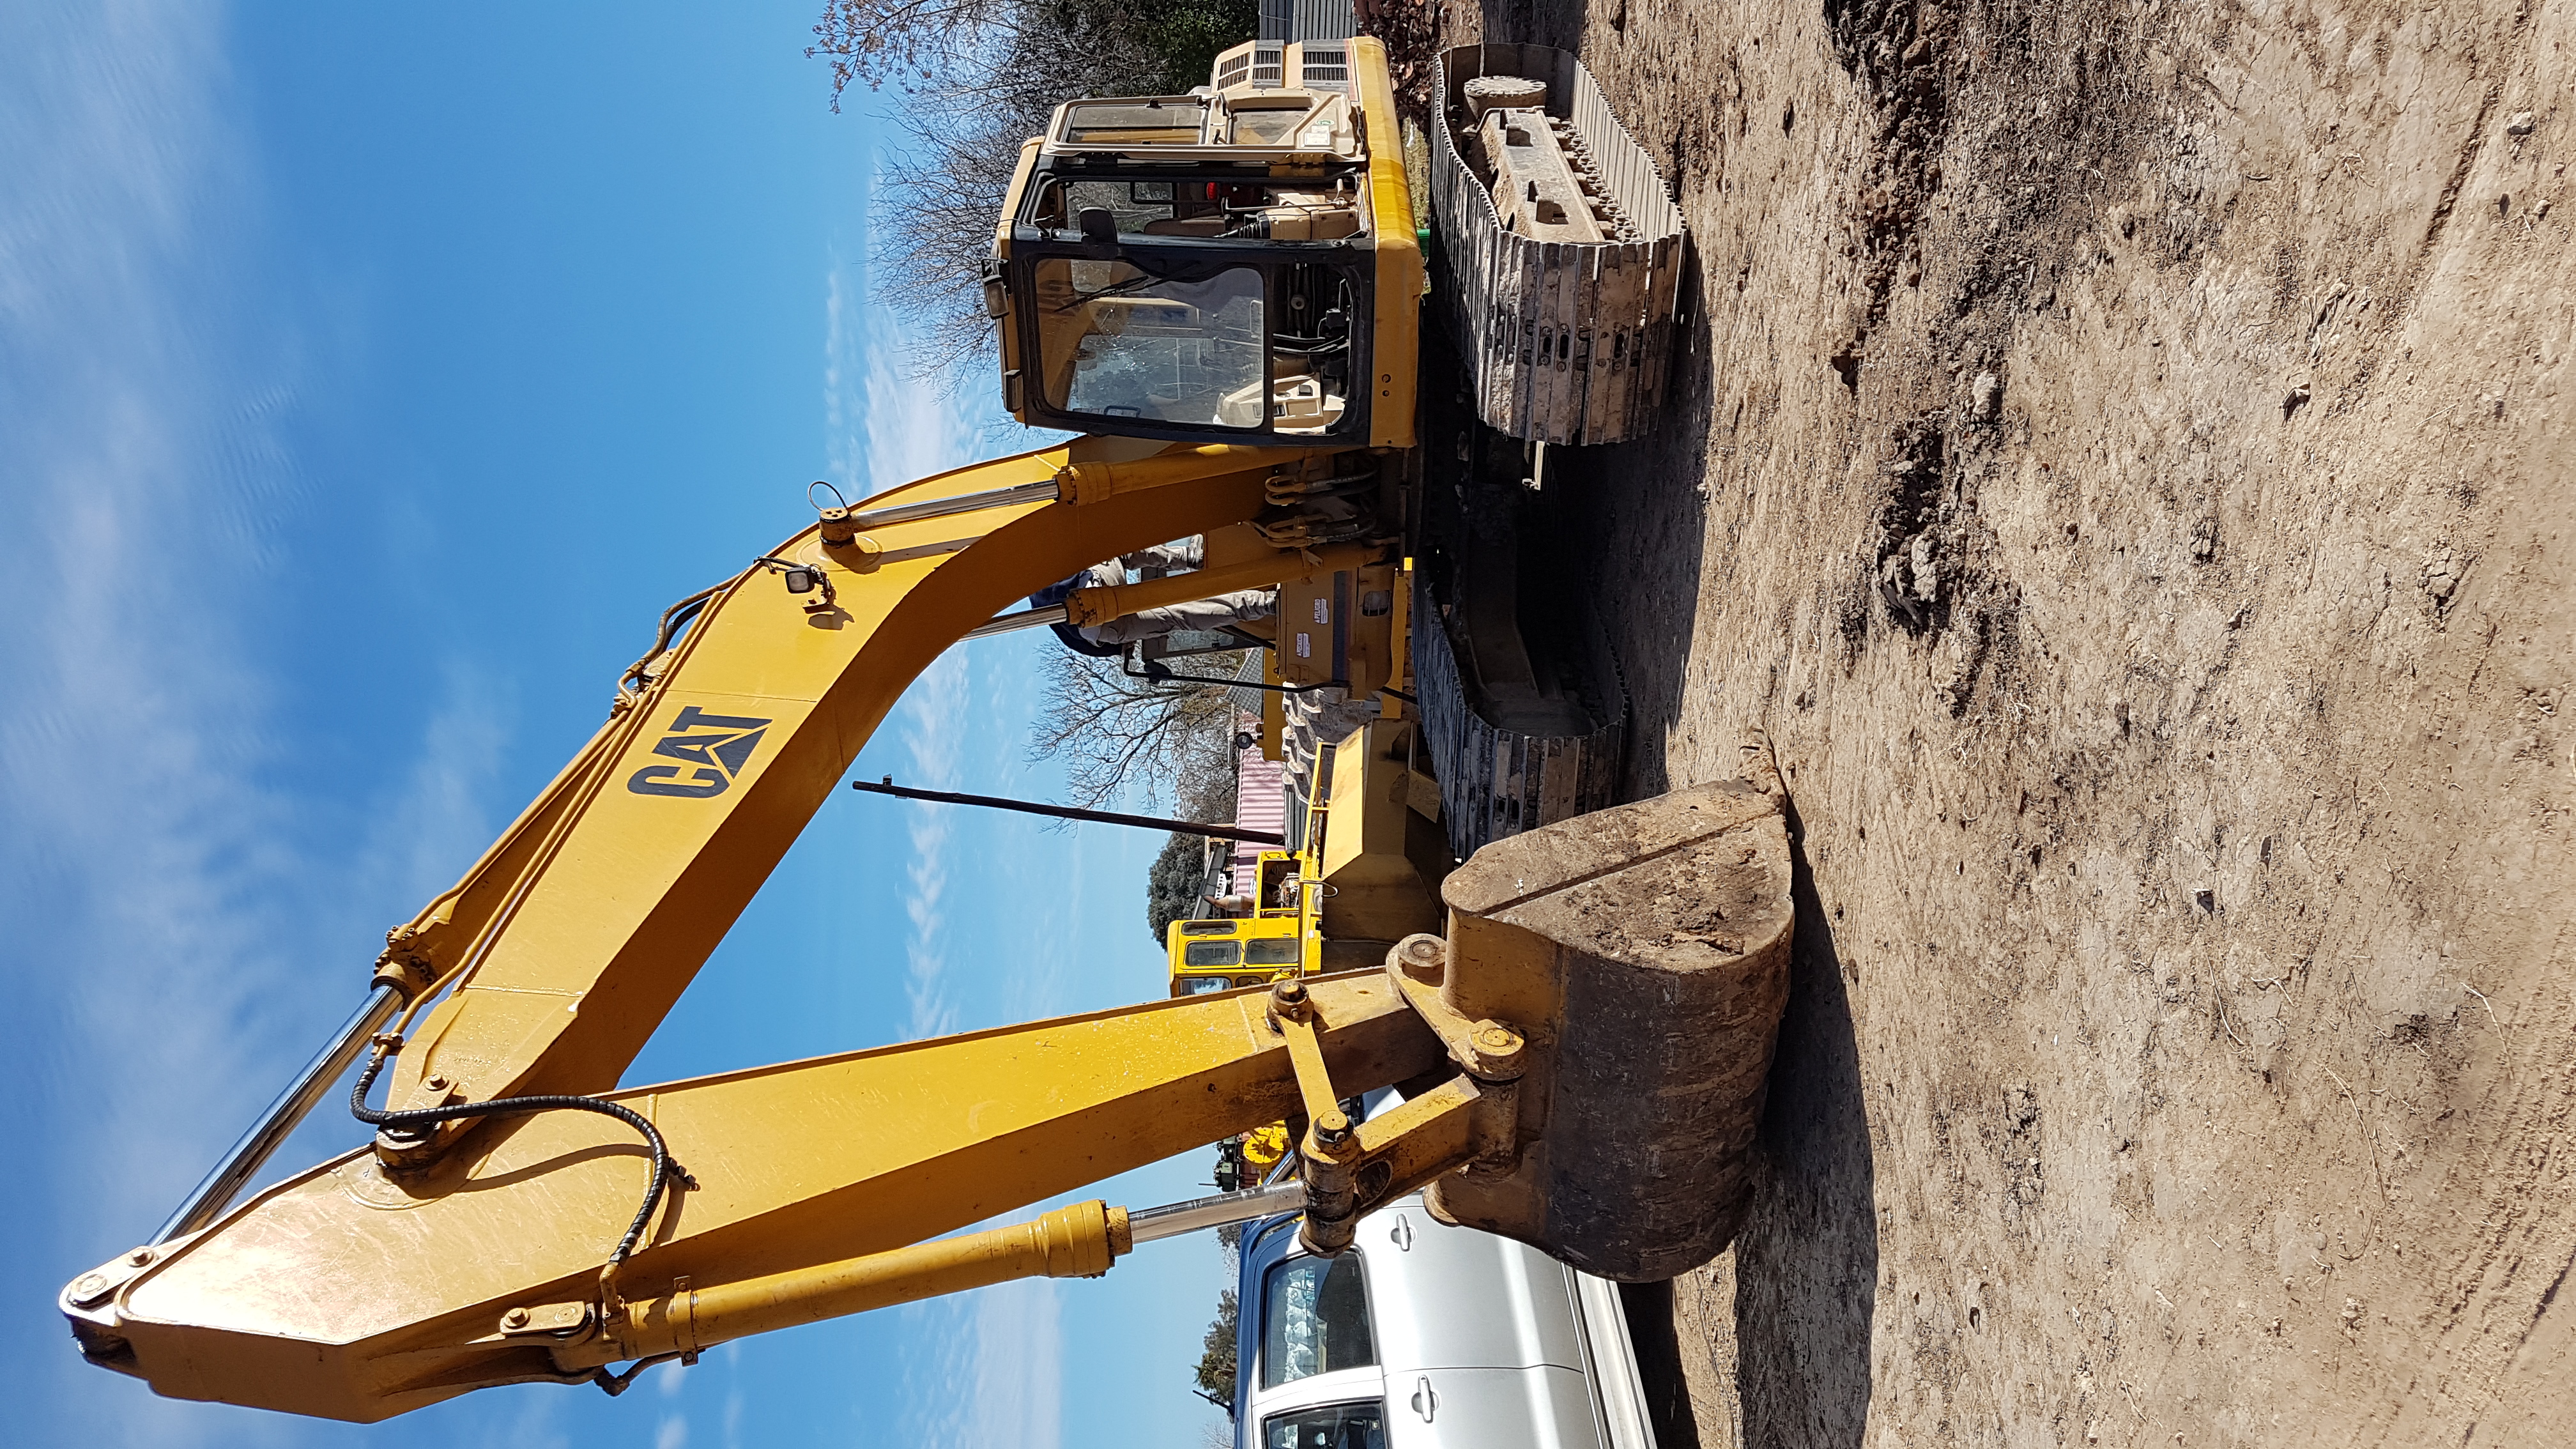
1121, 343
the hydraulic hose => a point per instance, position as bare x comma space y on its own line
664, 1169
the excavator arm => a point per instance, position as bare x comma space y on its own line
477, 1241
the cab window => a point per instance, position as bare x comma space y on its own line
1198, 985
1337, 1426
1272, 951
1175, 122
1256, 124
1119, 342
1314, 1320
1211, 953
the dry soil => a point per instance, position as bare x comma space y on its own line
2122, 456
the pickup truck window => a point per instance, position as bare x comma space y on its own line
1314, 1320
1338, 1426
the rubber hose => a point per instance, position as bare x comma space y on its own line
663, 1167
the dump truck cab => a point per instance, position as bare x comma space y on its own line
1235, 265
1221, 953
1366, 874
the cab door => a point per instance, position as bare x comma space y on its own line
1307, 1356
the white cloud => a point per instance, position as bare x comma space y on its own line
673, 1434
127, 736
987, 1370
884, 430
1018, 1396
933, 716
173, 950
530, 1423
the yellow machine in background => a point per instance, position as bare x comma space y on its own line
1371, 856
1368, 875
1580, 1016
1221, 953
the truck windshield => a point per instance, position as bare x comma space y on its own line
1121, 343
1339, 1426
1271, 950
1314, 1320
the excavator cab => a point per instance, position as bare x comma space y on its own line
1236, 265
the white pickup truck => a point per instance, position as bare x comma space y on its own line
1426, 1336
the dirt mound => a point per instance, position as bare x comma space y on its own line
2123, 459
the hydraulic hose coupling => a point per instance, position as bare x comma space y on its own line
843, 542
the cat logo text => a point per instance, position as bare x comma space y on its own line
712, 749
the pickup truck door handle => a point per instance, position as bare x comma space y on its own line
1426, 1402
1401, 1234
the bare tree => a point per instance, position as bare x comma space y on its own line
1155, 740
978, 78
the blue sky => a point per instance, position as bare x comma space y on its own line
371, 376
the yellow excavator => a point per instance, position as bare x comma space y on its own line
1580, 1032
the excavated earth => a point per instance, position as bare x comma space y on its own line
2121, 453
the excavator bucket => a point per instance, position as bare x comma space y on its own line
1643, 951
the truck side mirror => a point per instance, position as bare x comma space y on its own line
1097, 224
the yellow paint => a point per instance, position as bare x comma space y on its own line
1396, 343
345, 1293
602, 895
1080, 1241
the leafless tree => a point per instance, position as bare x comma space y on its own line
1148, 740
978, 77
